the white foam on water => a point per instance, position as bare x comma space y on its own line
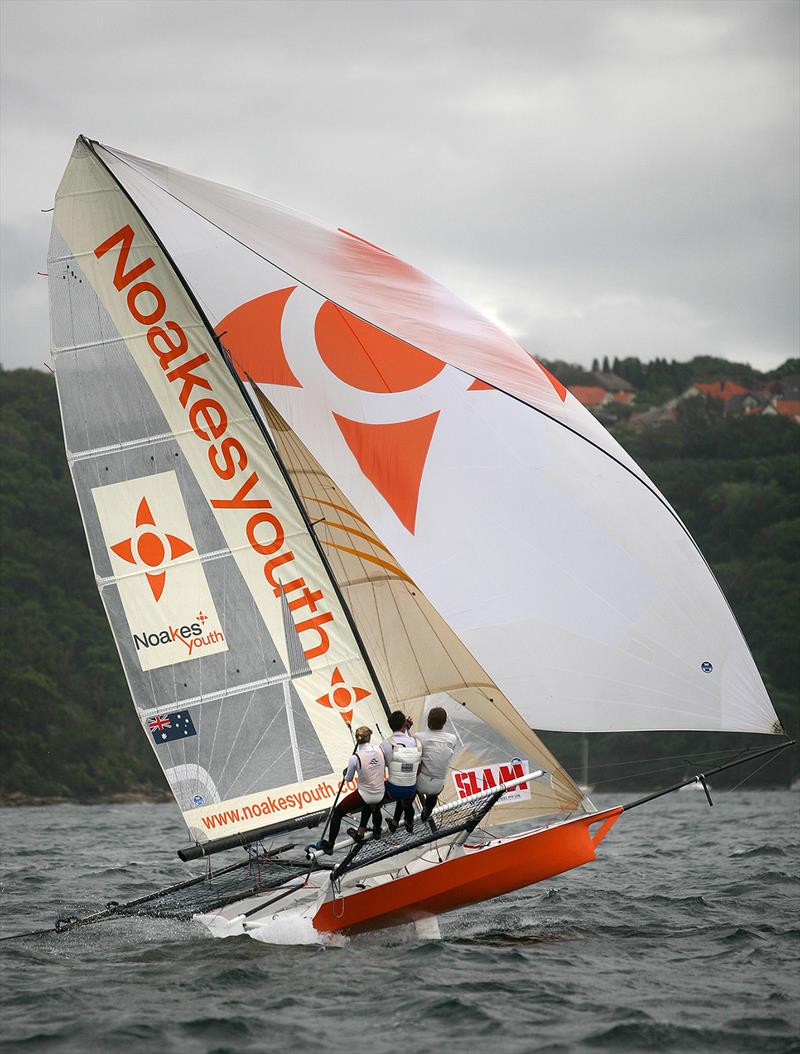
219, 926
292, 927
427, 928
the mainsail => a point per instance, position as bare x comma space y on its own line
250, 655
231, 633
538, 540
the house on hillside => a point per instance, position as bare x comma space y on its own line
591, 396
786, 408
659, 415
736, 399
746, 405
612, 382
722, 390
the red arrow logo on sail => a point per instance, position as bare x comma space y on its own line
341, 697
151, 548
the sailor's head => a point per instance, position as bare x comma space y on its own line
363, 734
437, 718
397, 720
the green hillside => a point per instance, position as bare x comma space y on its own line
68, 728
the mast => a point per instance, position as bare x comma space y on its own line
309, 526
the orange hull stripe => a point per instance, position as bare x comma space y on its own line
477, 875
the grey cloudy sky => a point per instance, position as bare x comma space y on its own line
600, 178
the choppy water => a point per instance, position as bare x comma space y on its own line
683, 936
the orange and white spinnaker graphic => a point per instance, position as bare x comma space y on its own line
540, 542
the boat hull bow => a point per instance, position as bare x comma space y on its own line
478, 873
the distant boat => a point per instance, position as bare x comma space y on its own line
317, 488
584, 785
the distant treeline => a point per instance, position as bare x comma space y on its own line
67, 727
662, 379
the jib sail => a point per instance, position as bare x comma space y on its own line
419, 660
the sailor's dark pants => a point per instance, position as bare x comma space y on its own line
352, 803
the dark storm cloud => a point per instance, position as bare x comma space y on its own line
602, 178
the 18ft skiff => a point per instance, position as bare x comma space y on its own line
317, 487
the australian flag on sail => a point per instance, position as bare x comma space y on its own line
168, 727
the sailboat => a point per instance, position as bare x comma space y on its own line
317, 487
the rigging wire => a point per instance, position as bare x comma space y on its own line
716, 755
749, 776
670, 757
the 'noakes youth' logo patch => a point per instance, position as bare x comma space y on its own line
154, 561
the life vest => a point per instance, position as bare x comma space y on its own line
371, 767
437, 750
404, 765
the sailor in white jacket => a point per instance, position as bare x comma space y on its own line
403, 753
438, 747
369, 764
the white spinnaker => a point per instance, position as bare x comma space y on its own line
538, 539
237, 650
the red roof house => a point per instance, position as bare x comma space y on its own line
717, 389
788, 408
591, 396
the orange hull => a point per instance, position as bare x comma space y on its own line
478, 874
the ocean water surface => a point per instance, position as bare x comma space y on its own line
683, 936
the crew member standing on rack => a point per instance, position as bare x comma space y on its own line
368, 762
438, 747
403, 753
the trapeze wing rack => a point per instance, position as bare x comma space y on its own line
446, 821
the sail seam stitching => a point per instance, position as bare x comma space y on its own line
126, 444
212, 697
203, 558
